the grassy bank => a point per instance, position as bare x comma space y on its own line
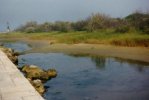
100, 37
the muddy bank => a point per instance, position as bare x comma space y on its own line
134, 53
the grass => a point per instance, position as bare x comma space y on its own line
100, 37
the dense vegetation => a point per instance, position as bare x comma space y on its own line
132, 30
96, 22
100, 37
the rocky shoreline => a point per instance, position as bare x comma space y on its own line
35, 75
13, 56
38, 76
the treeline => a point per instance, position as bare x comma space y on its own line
136, 21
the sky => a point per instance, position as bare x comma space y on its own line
18, 12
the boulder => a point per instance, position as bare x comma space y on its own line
14, 59
35, 72
37, 76
1, 44
31, 68
16, 54
11, 54
38, 86
51, 73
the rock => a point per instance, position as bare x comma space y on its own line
29, 79
35, 72
31, 68
11, 54
51, 42
37, 76
14, 59
38, 86
44, 76
52, 73
32, 71
16, 54
1, 44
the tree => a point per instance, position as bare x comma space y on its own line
62, 26
79, 25
139, 21
98, 21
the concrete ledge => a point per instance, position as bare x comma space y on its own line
13, 85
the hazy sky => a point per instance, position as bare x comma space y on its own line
17, 12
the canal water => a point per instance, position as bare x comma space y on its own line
83, 77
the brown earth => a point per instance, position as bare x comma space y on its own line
133, 53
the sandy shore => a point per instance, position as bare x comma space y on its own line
133, 53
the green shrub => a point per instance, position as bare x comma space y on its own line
146, 30
98, 21
122, 29
139, 20
30, 30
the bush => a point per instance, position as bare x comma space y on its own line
144, 25
146, 30
79, 25
97, 22
62, 26
30, 30
139, 21
122, 29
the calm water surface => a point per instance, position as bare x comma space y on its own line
91, 77
17, 46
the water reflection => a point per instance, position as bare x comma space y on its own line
99, 61
138, 65
81, 77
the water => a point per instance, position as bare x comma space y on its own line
92, 77
17, 46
